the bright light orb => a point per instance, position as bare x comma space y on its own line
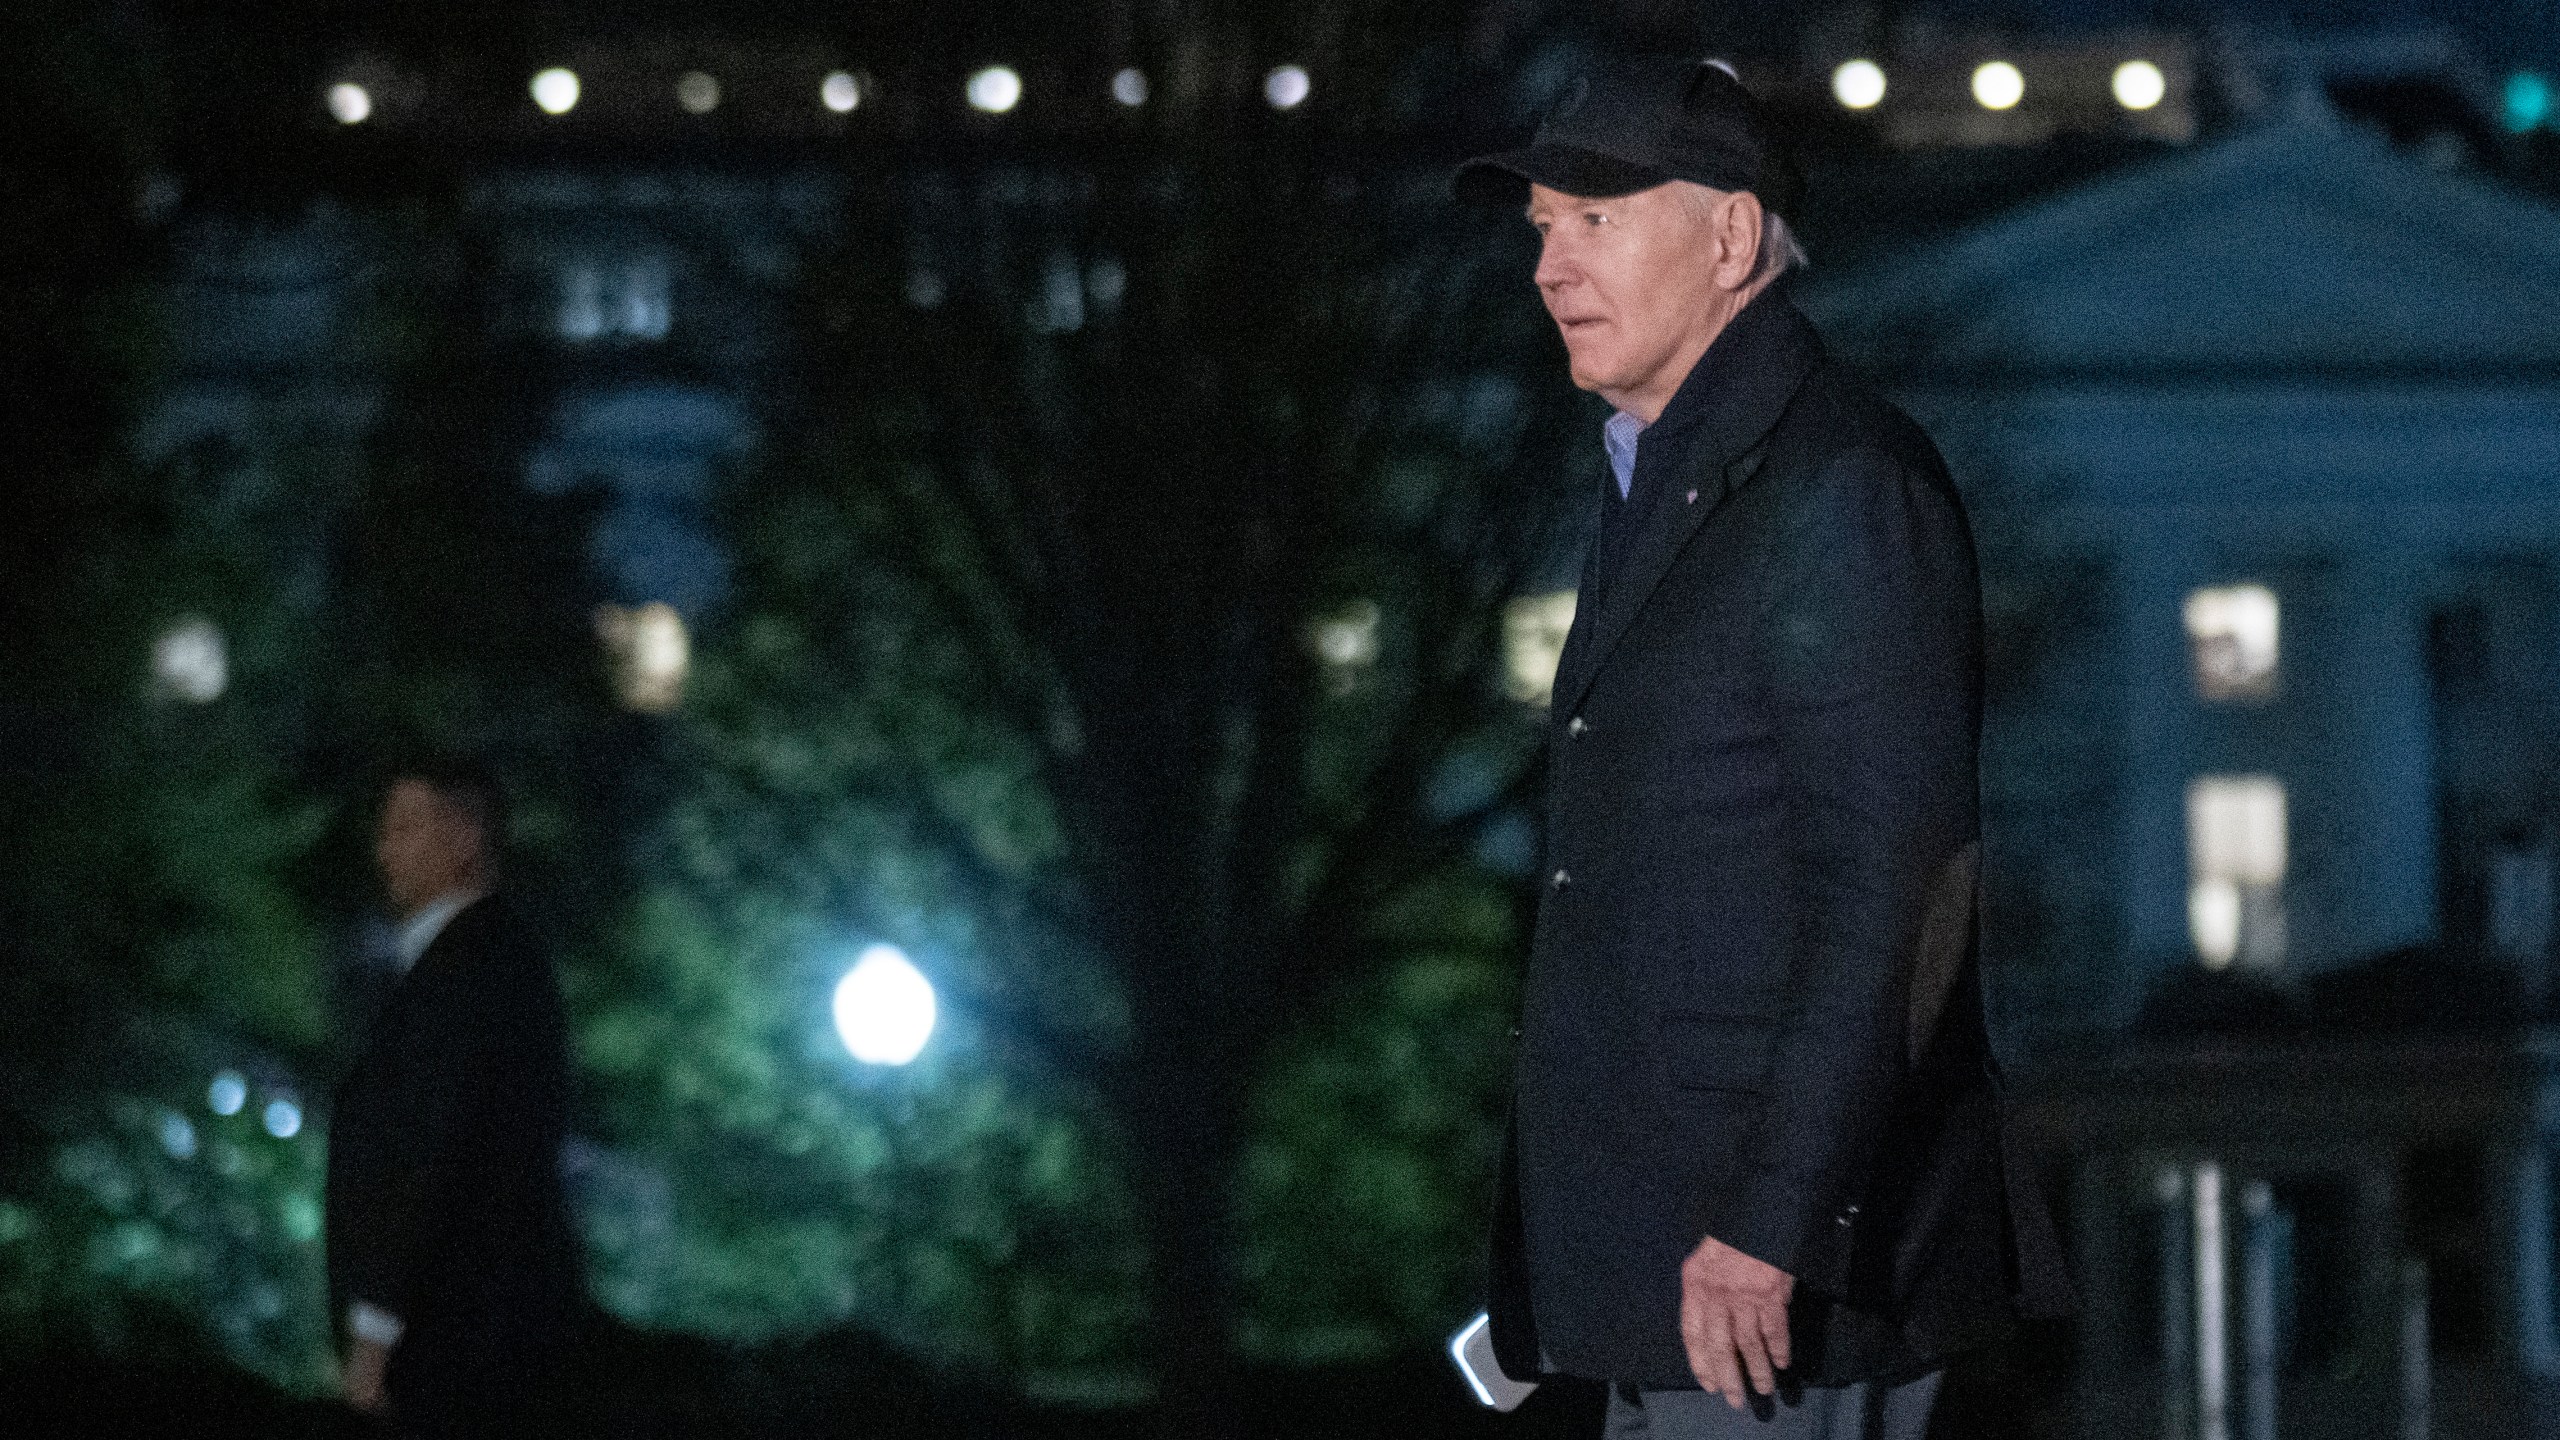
1287, 87
1858, 85
698, 92
1998, 85
556, 91
840, 92
884, 1007
1129, 87
227, 1093
191, 662
349, 103
995, 90
177, 1136
2139, 85
283, 1119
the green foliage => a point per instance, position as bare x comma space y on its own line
1016, 676
842, 791
1367, 1183
156, 1227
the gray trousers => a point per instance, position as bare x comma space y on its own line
1851, 1412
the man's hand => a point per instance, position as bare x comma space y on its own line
1731, 1304
366, 1361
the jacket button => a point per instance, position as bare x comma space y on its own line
1560, 880
1575, 726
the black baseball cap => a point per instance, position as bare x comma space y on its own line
1632, 123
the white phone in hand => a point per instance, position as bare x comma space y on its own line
1472, 1350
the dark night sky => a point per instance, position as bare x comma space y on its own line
2501, 32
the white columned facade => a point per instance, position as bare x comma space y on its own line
2390, 897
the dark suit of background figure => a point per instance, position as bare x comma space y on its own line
444, 1191
1753, 1009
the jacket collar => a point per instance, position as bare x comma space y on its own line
1737, 390
1715, 424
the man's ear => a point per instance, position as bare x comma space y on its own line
1738, 235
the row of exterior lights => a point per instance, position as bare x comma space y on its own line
1998, 85
993, 90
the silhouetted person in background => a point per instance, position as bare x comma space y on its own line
451, 1261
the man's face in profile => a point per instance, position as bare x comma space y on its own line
1631, 281
426, 846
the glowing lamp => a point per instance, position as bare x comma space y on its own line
1286, 88
995, 90
2527, 101
1998, 85
349, 103
2139, 85
1858, 85
884, 1007
556, 91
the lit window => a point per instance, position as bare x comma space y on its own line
1858, 85
1060, 306
698, 92
2139, 85
1998, 85
995, 90
626, 301
840, 92
2235, 869
349, 103
1533, 632
1105, 281
1129, 87
1287, 87
190, 662
1345, 643
2520, 900
556, 91
2233, 632
651, 654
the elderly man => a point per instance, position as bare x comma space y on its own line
1758, 1152
450, 1253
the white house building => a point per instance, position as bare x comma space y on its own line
2292, 402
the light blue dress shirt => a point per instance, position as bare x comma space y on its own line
1620, 436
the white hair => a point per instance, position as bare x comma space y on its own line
1780, 251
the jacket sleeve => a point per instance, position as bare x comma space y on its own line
1871, 634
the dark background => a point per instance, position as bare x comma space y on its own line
1092, 527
